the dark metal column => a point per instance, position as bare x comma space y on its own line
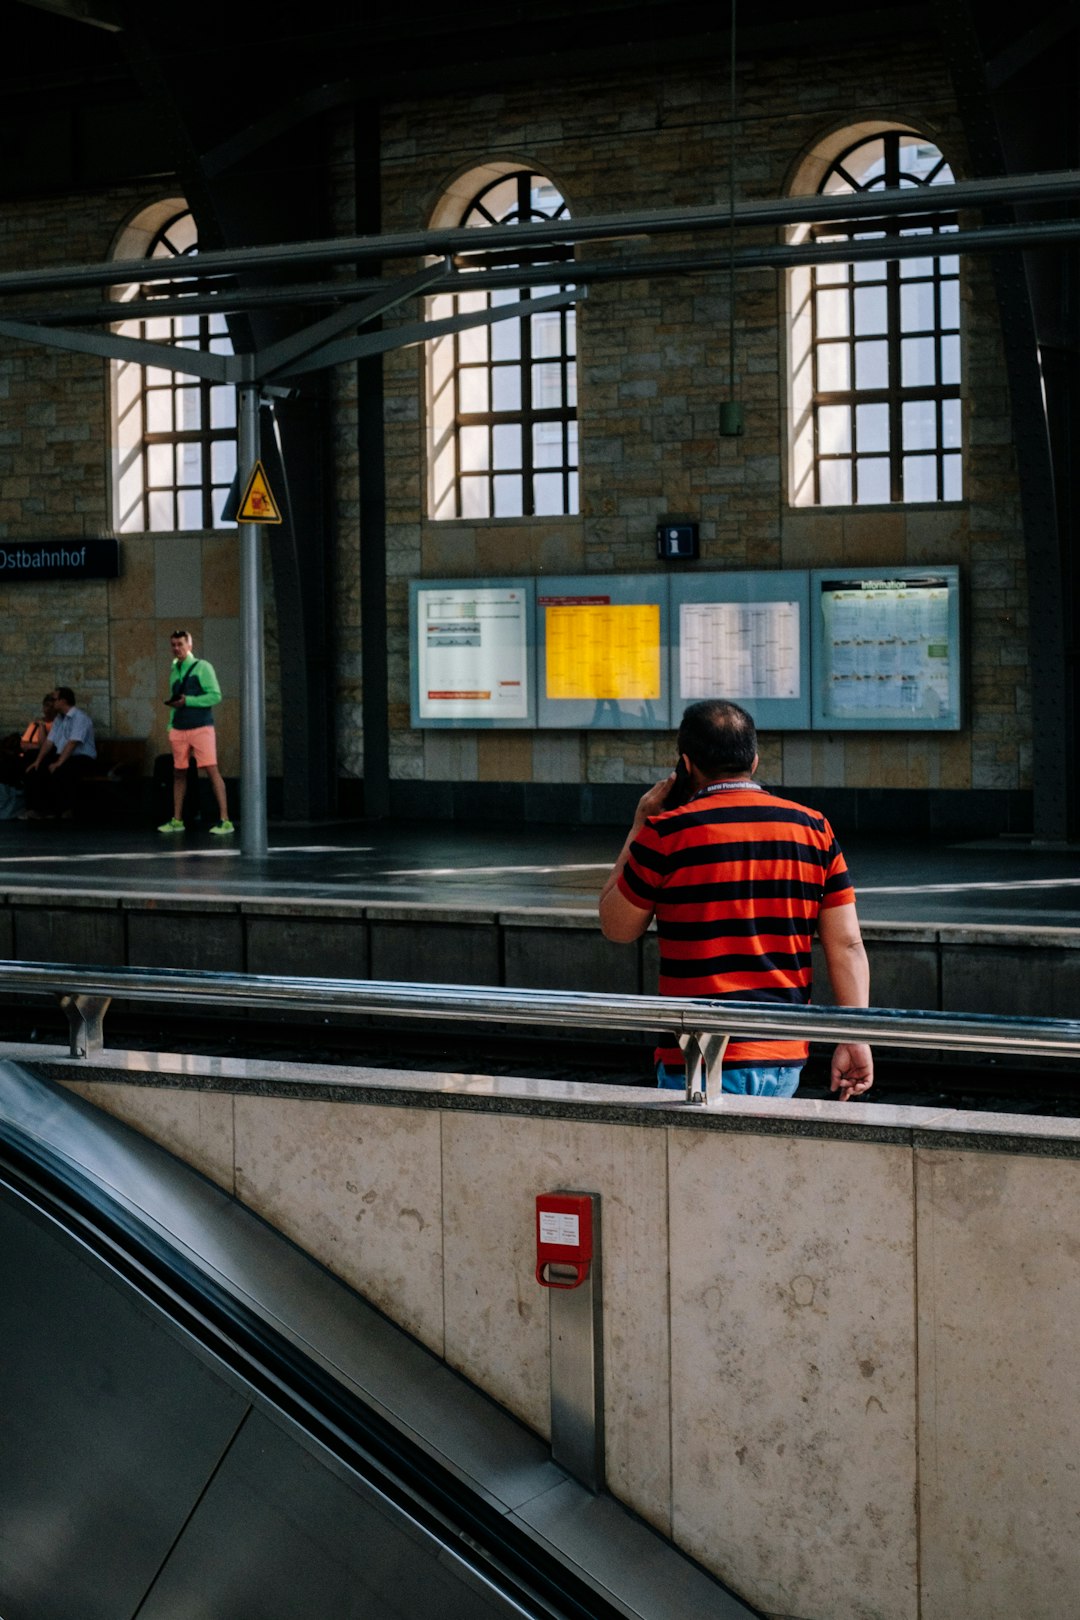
1055, 752
371, 446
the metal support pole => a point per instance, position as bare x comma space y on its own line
253, 838
86, 1021
576, 1327
703, 1052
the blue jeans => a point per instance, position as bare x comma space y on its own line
756, 1080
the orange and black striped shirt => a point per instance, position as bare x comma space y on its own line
737, 878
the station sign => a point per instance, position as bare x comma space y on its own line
59, 559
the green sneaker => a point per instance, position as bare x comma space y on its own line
223, 827
171, 826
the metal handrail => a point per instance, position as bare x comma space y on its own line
701, 1025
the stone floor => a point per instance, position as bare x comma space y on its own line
1004, 883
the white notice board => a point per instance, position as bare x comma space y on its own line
744, 636
887, 652
472, 658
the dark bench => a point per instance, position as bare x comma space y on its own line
114, 785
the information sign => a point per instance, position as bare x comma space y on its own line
602, 644
59, 559
472, 653
887, 649
743, 636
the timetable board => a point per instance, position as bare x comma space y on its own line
887, 649
472, 653
744, 636
602, 652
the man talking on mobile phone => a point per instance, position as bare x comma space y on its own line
738, 881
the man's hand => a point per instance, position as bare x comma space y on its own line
620, 921
652, 802
852, 1070
179, 702
54, 767
33, 767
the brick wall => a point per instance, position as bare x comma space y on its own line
653, 367
107, 640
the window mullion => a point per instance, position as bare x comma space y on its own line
895, 393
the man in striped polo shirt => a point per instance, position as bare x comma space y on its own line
738, 879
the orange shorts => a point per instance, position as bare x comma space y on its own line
200, 743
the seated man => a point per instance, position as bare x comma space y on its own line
51, 784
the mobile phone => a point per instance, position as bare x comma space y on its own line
682, 787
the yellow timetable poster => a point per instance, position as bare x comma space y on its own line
603, 650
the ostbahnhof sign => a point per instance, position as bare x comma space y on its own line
59, 559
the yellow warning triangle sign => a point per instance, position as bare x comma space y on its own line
257, 505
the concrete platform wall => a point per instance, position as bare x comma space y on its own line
1021, 971
840, 1343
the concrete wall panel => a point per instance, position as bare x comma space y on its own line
195, 1125
999, 1323
793, 1370
1015, 982
313, 947
497, 1314
569, 959
185, 939
358, 1188
68, 933
450, 953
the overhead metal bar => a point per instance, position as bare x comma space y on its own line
312, 340
404, 337
251, 369
636, 267
98, 15
114, 346
1026, 190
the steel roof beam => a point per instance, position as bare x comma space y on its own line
301, 345
48, 329
404, 337
1023, 189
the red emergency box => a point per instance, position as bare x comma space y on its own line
564, 1236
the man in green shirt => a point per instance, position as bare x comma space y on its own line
193, 692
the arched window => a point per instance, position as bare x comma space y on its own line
175, 435
876, 346
502, 399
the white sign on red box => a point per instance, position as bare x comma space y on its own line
561, 1228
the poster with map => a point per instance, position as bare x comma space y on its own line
889, 649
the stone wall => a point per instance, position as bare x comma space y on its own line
106, 639
838, 1340
653, 367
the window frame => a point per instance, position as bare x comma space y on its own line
526, 416
210, 334
895, 395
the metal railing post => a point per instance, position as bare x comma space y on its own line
703, 1052
86, 1023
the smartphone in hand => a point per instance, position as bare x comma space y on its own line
682, 788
